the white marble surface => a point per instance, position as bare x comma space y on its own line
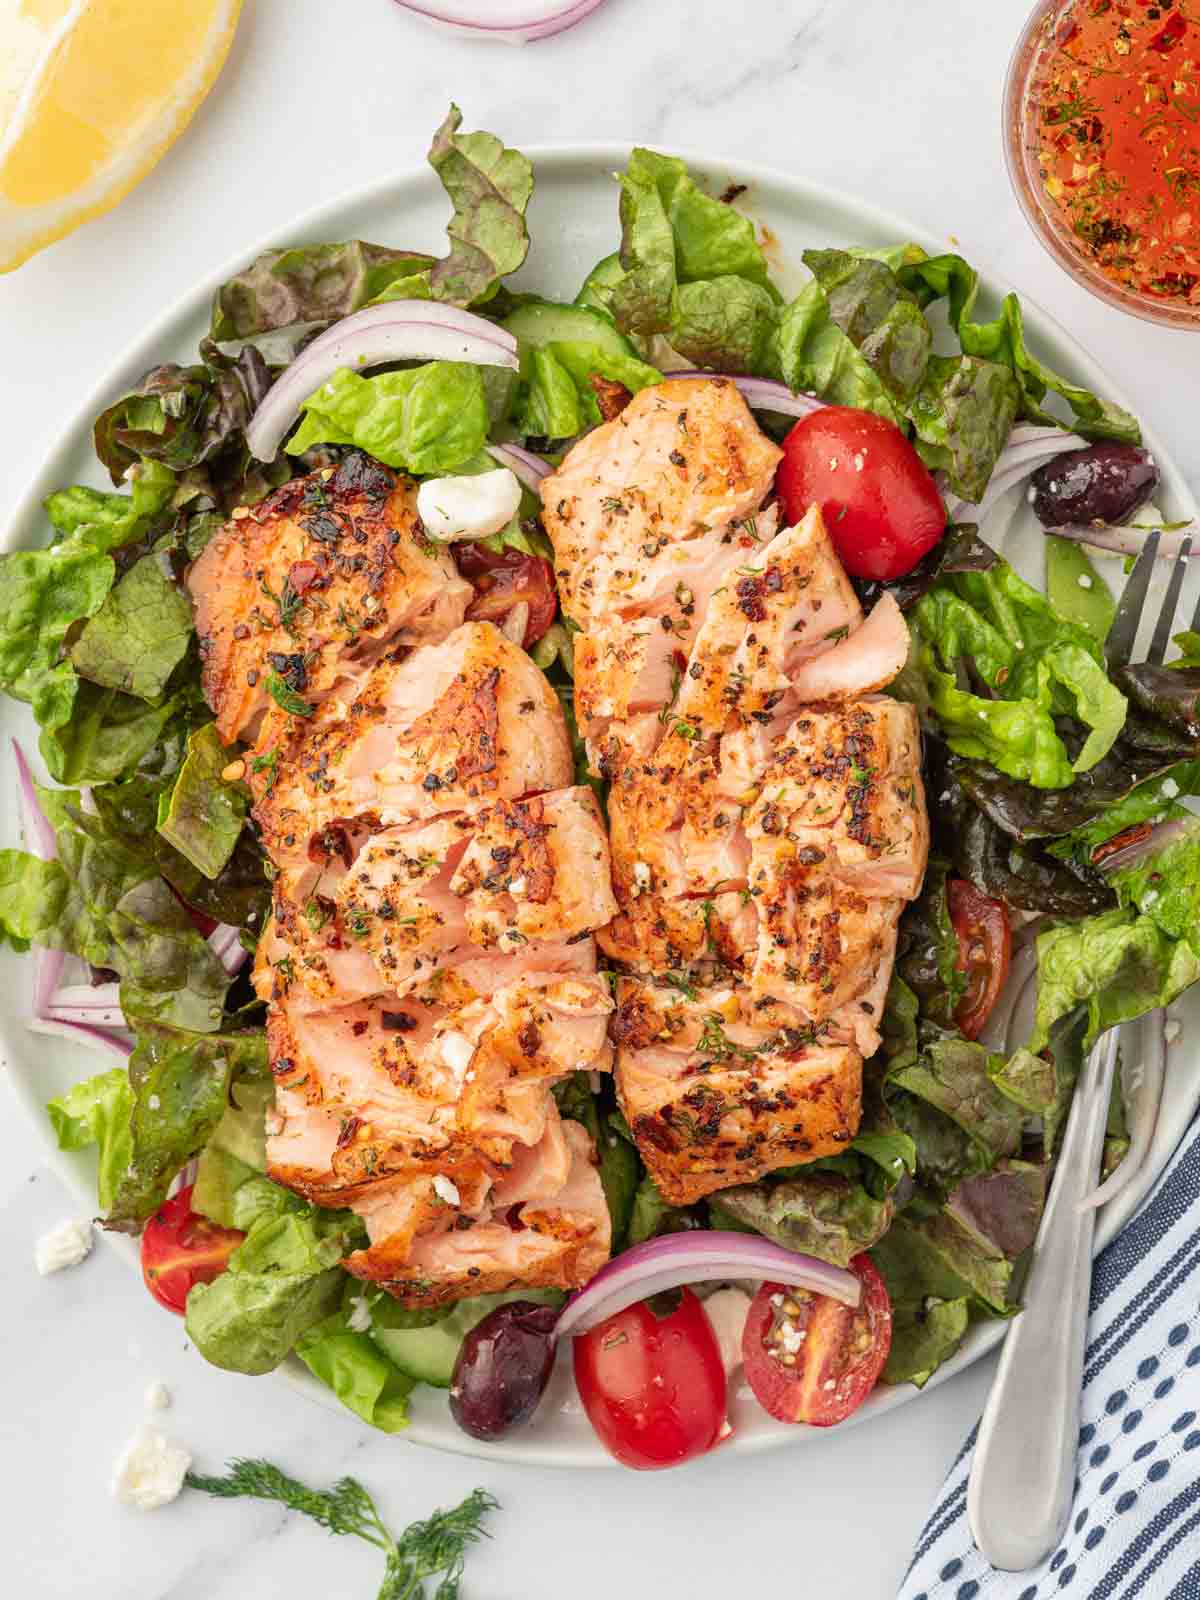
892, 99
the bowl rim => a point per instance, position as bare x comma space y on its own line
1026, 187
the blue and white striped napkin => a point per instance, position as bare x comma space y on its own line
1135, 1526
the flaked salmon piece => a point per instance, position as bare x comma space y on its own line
632, 657
314, 583
527, 1037
452, 727
867, 660
820, 943
539, 1172
683, 460
397, 1209
842, 795
656, 934
366, 1073
535, 869
537, 1243
789, 604
714, 1098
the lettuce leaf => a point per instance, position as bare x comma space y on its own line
353, 1366
950, 278
282, 1280
180, 1083
963, 413
1165, 887
881, 319
141, 633
819, 1214
924, 1334
556, 399
98, 1112
105, 902
927, 953
202, 816
312, 283
1116, 966
490, 187
427, 419
109, 735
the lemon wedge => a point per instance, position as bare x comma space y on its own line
92, 94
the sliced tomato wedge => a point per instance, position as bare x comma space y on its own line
504, 581
181, 1248
984, 952
810, 1358
653, 1386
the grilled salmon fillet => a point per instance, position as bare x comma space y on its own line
312, 585
429, 966
767, 821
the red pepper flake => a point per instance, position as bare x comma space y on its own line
1170, 34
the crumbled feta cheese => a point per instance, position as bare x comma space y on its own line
157, 1396
727, 1310
1150, 898
154, 1102
859, 460
641, 877
1172, 1028
457, 1051
446, 1191
518, 886
64, 1246
359, 1320
1084, 581
1169, 789
149, 1471
472, 507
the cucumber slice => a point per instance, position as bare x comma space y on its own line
540, 323
600, 279
428, 1354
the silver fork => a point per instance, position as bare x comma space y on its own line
1022, 1478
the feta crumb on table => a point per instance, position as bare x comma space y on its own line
64, 1246
158, 1396
150, 1470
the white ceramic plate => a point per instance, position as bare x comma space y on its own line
573, 223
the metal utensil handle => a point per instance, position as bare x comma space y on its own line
1022, 1478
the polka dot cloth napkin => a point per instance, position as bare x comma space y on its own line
1135, 1525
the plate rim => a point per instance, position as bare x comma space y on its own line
137, 356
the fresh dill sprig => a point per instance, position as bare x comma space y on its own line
435, 1548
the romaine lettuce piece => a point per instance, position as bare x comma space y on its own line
141, 633
362, 1377
98, 1112
202, 816
426, 419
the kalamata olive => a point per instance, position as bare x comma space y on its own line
503, 1368
1107, 482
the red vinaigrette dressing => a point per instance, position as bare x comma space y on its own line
1115, 108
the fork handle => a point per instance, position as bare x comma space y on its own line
1023, 1475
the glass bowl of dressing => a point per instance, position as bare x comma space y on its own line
1102, 140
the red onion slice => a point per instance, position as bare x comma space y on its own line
1128, 540
502, 21
699, 1257
402, 330
39, 835
83, 1033
226, 943
762, 394
526, 467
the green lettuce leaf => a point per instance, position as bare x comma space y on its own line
725, 324
202, 816
104, 902
556, 399
109, 735
927, 954
1028, 1080
490, 188
819, 1214
1003, 340
357, 1371
1076, 590
954, 1077
141, 633
811, 352
924, 1334
181, 1083
1165, 886
427, 419
1117, 965
652, 1215
942, 1257
282, 1281
98, 1112
879, 317
963, 413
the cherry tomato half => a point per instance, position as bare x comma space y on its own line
181, 1248
653, 1387
879, 501
502, 581
810, 1358
984, 951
